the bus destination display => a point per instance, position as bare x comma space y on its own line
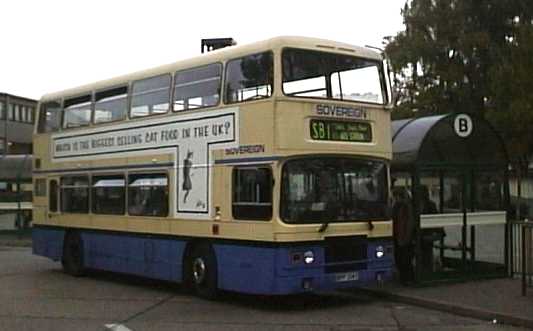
340, 131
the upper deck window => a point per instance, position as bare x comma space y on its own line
332, 76
150, 96
249, 78
197, 88
77, 111
111, 105
49, 117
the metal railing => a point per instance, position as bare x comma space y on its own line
522, 252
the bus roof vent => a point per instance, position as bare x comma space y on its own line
215, 43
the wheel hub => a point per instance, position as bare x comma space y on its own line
198, 270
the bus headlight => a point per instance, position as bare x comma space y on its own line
380, 252
309, 257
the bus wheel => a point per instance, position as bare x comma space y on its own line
203, 269
72, 260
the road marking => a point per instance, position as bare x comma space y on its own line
117, 327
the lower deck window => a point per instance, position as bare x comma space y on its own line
75, 194
148, 195
252, 193
108, 195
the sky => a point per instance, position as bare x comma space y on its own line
48, 46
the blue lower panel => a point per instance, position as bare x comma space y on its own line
148, 257
248, 268
144, 256
270, 270
48, 242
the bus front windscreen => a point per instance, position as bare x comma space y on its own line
332, 189
325, 75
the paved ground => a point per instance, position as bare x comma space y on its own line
36, 295
495, 298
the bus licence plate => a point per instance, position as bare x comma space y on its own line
347, 276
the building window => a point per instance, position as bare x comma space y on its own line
249, 78
148, 195
23, 114
108, 195
111, 105
75, 194
252, 193
52, 196
150, 96
16, 116
77, 111
49, 117
197, 88
40, 187
31, 111
10, 112
2, 111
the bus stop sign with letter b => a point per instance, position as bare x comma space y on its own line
463, 125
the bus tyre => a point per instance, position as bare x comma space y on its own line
72, 260
203, 271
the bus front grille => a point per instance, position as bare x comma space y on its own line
345, 249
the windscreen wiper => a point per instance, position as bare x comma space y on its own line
323, 227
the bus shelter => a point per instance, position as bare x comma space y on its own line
15, 191
454, 170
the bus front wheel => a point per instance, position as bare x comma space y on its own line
202, 270
72, 260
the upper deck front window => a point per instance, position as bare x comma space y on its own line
325, 75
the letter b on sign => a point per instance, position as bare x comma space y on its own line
463, 125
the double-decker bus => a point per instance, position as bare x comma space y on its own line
260, 168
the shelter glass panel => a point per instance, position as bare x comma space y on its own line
429, 192
452, 191
489, 191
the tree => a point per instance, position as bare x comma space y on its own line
511, 108
472, 56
